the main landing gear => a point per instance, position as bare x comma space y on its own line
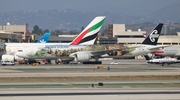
93, 62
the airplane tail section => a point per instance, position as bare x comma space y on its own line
147, 57
90, 33
153, 36
44, 38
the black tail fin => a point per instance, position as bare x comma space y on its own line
153, 36
147, 57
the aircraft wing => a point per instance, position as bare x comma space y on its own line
117, 57
102, 52
158, 47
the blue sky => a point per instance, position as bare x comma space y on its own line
138, 7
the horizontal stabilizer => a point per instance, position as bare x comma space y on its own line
158, 47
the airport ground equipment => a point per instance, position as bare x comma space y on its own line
7, 60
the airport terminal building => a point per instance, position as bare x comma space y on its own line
10, 32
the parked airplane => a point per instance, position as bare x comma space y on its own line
171, 51
87, 36
162, 61
78, 53
147, 46
85, 53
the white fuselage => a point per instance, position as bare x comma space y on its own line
166, 60
163, 60
168, 51
31, 52
142, 49
12, 48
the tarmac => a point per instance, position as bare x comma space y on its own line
160, 87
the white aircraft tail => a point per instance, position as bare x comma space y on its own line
90, 33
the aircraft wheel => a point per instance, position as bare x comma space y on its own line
37, 64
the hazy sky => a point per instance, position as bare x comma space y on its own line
127, 6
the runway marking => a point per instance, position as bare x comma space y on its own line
87, 93
105, 84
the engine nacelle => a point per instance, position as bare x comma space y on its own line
113, 53
81, 56
18, 58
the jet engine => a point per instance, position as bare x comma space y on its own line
113, 53
18, 58
81, 56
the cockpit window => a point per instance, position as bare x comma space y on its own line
20, 50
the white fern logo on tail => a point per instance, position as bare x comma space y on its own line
153, 35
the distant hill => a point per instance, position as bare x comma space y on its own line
69, 19
168, 14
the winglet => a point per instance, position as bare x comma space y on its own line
90, 33
153, 36
44, 38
